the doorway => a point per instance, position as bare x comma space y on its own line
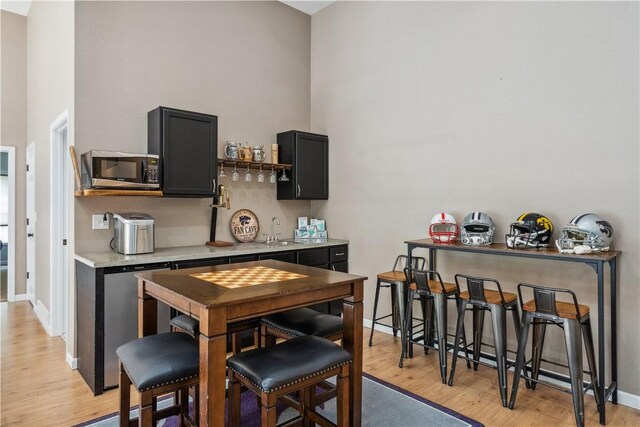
7, 223
61, 229
31, 223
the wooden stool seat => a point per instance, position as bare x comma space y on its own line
393, 276
566, 310
493, 297
436, 288
298, 364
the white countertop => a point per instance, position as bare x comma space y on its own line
183, 253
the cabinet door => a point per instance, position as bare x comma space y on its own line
189, 153
311, 167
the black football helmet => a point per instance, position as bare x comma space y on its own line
530, 230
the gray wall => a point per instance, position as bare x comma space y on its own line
499, 107
13, 119
246, 62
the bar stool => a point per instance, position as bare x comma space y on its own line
156, 365
497, 303
439, 293
295, 365
392, 279
191, 326
575, 320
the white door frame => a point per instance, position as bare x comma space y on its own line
11, 222
31, 155
61, 192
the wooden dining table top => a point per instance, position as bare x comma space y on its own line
212, 286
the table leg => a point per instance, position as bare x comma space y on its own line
213, 351
400, 290
614, 329
601, 340
352, 342
147, 312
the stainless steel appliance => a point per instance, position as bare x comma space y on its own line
116, 169
133, 233
121, 314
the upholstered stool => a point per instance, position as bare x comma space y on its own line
392, 279
575, 320
156, 365
294, 365
438, 293
497, 303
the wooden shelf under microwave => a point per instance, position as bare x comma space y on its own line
117, 192
242, 164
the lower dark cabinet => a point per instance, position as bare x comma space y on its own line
242, 258
280, 256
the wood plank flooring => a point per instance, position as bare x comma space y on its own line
39, 389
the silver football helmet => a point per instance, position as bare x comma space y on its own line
584, 234
477, 229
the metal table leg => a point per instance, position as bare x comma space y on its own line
601, 340
614, 329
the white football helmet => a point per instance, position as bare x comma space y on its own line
477, 229
443, 228
585, 234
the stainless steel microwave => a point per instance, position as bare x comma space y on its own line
116, 169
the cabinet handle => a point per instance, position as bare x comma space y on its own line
214, 186
298, 190
333, 267
340, 254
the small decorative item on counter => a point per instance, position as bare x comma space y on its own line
314, 229
258, 153
244, 225
319, 223
274, 153
302, 222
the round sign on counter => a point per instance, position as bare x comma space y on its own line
244, 225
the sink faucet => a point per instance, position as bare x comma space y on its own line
273, 237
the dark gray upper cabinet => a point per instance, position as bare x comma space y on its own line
187, 144
309, 154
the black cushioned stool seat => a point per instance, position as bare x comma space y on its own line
186, 323
294, 365
191, 326
304, 321
157, 364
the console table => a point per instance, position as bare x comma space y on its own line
595, 261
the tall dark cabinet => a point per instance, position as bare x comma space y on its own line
309, 154
187, 144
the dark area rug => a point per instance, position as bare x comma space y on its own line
383, 404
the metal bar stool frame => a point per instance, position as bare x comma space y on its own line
575, 330
477, 298
439, 311
417, 263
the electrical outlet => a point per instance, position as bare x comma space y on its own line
99, 222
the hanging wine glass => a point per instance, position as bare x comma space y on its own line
235, 175
283, 177
222, 173
247, 175
272, 176
260, 175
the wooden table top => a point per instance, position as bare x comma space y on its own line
501, 249
196, 284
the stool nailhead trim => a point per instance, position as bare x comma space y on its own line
315, 374
151, 387
327, 334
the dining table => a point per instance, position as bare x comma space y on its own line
226, 294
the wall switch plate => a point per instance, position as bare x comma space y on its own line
99, 222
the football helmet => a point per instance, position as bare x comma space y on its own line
477, 229
443, 228
585, 234
530, 230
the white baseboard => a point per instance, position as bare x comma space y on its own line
72, 361
21, 297
43, 316
624, 398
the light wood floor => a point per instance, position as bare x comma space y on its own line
39, 389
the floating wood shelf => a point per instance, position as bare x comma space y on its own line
241, 164
103, 192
